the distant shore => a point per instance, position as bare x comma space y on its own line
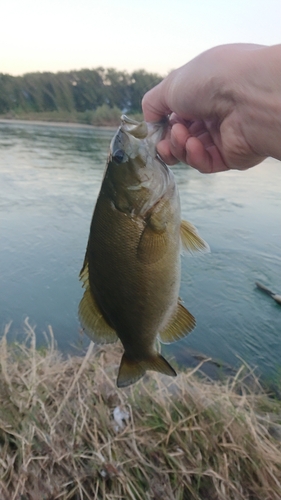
56, 123
104, 116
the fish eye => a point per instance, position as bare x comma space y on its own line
118, 156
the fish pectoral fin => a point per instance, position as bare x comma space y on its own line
154, 239
191, 240
152, 246
180, 325
93, 322
131, 370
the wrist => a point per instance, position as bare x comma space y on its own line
259, 99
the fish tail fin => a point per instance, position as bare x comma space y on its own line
130, 370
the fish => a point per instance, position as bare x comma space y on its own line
273, 295
131, 271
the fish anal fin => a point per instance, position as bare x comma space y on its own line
191, 240
131, 370
93, 322
180, 325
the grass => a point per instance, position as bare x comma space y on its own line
180, 439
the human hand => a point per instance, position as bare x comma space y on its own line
224, 108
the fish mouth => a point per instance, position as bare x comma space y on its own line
127, 120
139, 130
134, 138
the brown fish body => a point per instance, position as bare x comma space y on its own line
135, 293
132, 265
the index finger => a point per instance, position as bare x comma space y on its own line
154, 104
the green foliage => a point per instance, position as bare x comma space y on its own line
104, 115
97, 93
141, 82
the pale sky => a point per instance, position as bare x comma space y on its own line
156, 35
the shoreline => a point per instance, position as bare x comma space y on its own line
41, 122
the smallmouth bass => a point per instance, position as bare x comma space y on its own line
131, 270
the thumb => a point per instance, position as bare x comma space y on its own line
154, 104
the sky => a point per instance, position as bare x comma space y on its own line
155, 35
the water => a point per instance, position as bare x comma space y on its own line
50, 177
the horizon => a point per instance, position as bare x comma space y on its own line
80, 69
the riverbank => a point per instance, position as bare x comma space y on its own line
67, 432
103, 116
17, 121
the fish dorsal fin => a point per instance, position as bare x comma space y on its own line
131, 370
191, 240
180, 325
90, 315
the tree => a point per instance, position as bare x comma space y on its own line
83, 90
141, 82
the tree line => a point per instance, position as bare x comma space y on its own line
80, 91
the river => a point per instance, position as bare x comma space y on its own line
50, 177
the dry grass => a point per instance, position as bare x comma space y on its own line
186, 438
